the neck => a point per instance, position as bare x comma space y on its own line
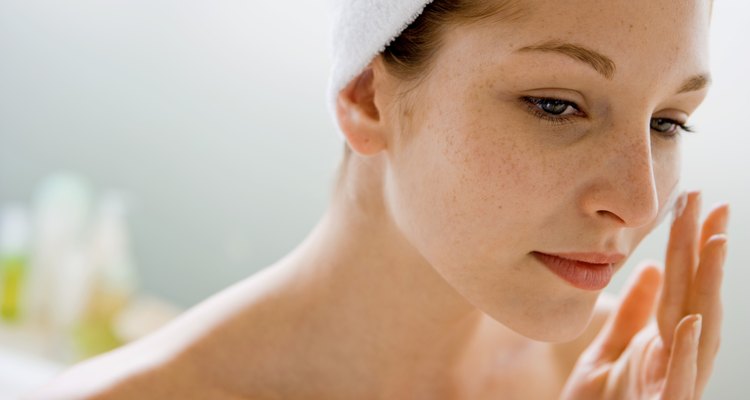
375, 312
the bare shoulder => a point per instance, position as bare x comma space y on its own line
567, 353
129, 374
86, 380
158, 366
108, 376
175, 361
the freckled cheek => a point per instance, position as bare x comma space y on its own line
489, 179
497, 178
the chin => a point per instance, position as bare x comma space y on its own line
558, 334
555, 324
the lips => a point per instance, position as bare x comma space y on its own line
591, 258
587, 271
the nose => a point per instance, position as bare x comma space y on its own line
625, 186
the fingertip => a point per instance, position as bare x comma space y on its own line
720, 238
719, 215
727, 214
697, 326
722, 207
679, 206
690, 326
695, 204
646, 275
692, 198
650, 262
652, 273
695, 196
716, 242
683, 359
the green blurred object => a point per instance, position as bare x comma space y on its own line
11, 280
94, 336
94, 333
14, 250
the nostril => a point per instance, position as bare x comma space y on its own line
610, 214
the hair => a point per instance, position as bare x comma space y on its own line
409, 56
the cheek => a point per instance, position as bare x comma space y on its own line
469, 195
469, 177
466, 188
488, 183
469, 200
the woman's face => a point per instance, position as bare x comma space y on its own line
485, 171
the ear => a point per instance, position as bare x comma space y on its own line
359, 118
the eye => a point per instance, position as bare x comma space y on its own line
553, 111
551, 106
668, 127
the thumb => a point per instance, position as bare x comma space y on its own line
632, 314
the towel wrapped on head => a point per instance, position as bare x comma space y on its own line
361, 30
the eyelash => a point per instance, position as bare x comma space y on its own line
533, 103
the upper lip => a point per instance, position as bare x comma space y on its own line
591, 257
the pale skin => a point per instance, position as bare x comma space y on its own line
418, 281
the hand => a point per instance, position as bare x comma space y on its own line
635, 357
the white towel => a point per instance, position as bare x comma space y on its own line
361, 30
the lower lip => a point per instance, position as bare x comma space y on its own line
579, 274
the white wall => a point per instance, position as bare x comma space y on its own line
211, 115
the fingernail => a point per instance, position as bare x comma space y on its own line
726, 226
697, 197
698, 204
718, 236
679, 206
724, 250
697, 327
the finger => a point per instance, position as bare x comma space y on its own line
716, 222
682, 368
636, 307
681, 260
705, 299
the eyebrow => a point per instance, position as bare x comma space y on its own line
603, 64
695, 82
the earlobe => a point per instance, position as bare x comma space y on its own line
358, 115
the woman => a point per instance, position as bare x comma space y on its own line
503, 159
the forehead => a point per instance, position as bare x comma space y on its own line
647, 39
622, 23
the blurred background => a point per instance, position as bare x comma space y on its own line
154, 152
